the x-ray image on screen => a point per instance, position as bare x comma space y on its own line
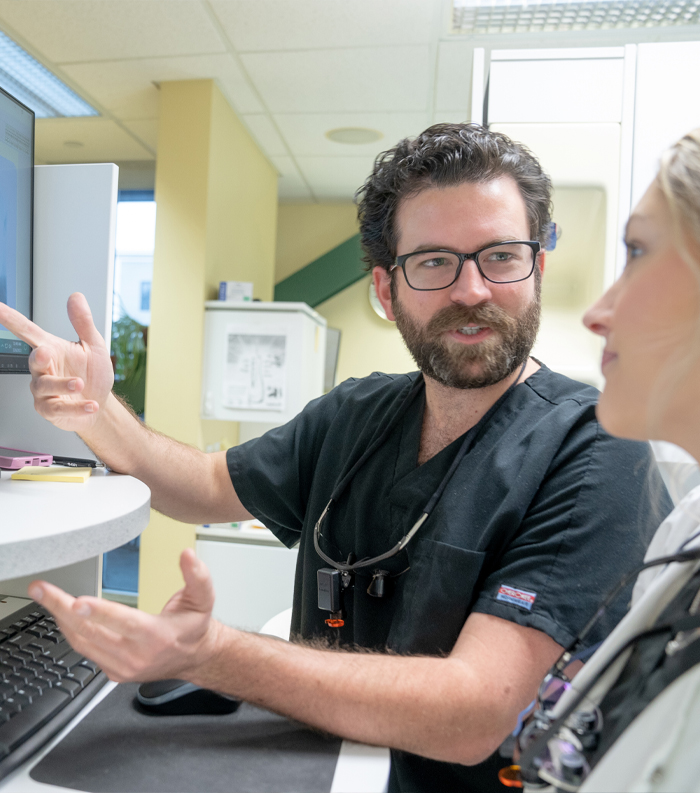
8, 231
16, 212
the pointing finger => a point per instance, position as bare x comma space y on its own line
22, 327
81, 319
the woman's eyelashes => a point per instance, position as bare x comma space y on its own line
634, 250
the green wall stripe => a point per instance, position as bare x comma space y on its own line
326, 276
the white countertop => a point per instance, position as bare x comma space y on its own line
44, 525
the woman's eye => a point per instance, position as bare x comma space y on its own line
634, 251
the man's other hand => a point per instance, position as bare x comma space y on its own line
130, 645
70, 380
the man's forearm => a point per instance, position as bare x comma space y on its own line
430, 706
185, 483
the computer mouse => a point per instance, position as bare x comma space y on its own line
180, 698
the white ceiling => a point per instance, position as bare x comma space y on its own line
291, 69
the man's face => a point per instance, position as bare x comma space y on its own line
474, 333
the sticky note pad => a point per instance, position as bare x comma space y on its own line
55, 473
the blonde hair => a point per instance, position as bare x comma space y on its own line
679, 180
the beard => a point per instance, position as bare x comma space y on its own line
475, 365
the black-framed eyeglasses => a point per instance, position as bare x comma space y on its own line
499, 263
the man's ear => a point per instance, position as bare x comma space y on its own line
382, 286
540, 261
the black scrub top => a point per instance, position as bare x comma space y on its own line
539, 521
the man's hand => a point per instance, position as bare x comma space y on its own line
131, 645
70, 380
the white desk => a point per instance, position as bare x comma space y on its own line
44, 525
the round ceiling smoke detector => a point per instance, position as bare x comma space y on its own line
353, 135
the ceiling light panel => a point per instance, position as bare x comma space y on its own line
502, 16
39, 89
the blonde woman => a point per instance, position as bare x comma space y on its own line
630, 719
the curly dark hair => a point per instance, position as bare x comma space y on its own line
444, 155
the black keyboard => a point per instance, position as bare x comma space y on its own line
43, 683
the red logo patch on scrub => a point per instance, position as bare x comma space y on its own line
518, 597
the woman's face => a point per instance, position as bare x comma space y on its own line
649, 319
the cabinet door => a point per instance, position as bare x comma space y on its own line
667, 104
252, 582
570, 88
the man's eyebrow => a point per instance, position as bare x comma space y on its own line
437, 247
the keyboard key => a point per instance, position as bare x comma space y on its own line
44, 681
81, 674
28, 721
70, 660
22, 701
18, 681
71, 686
41, 644
11, 706
5, 670
54, 636
6, 690
20, 639
29, 691
91, 665
57, 651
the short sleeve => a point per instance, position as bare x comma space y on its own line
590, 521
272, 475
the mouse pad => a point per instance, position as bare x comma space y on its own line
117, 748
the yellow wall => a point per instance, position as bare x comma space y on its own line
367, 342
307, 231
217, 207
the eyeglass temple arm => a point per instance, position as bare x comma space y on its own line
343, 567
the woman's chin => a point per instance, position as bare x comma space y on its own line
618, 417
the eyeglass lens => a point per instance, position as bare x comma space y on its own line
499, 263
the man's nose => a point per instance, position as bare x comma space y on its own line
471, 288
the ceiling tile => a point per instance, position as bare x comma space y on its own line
102, 141
342, 80
263, 25
454, 74
85, 30
126, 87
305, 133
291, 186
266, 135
335, 178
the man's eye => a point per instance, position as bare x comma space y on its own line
434, 261
499, 256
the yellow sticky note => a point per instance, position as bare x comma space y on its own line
54, 473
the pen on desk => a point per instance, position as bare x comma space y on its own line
77, 462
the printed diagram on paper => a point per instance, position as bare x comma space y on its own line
255, 369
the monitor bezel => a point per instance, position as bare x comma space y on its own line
12, 363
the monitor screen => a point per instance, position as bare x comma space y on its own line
16, 210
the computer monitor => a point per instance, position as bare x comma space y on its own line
16, 215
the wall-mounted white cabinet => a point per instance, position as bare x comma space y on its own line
263, 362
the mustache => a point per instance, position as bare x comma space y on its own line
454, 317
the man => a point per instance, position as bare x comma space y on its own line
528, 499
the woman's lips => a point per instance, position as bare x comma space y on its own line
607, 358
